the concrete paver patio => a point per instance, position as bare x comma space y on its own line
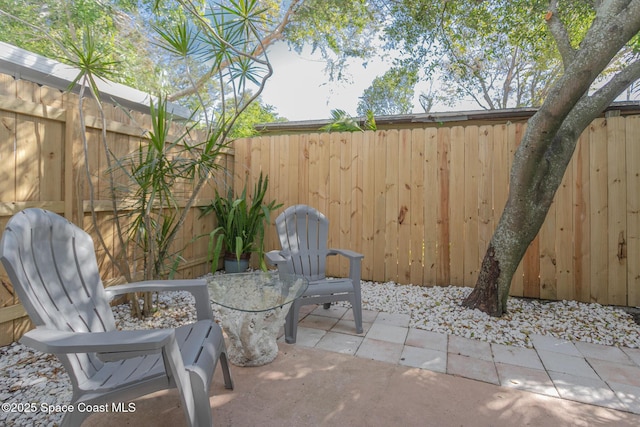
584, 372
396, 375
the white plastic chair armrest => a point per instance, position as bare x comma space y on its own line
54, 341
276, 257
346, 253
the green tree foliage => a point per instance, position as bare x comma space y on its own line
45, 26
127, 29
254, 114
497, 53
339, 29
391, 93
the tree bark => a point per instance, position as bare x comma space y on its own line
550, 140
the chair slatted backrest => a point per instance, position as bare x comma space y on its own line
53, 268
304, 232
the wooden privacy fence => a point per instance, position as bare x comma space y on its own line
43, 165
421, 204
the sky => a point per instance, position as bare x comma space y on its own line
299, 89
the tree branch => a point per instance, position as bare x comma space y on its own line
589, 107
584, 112
559, 33
506, 85
611, 7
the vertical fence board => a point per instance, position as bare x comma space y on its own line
314, 170
92, 161
471, 170
280, 160
74, 163
28, 152
443, 276
292, 168
334, 200
255, 147
530, 263
599, 211
617, 218
242, 167
547, 261
323, 173
357, 195
123, 146
7, 156
564, 248
419, 199
633, 210
582, 220
346, 186
501, 168
367, 215
456, 206
391, 194
405, 208
431, 207
8, 330
531, 270
303, 169
52, 161
485, 190
261, 160
380, 210
26, 90
8, 86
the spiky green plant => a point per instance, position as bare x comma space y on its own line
241, 223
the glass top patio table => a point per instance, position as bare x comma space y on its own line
255, 291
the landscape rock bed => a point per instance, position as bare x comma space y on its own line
31, 377
438, 309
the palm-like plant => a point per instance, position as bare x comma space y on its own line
241, 223
341, 121
224, 36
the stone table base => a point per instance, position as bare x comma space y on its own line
252, 335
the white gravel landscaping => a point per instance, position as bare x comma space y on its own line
28, 377
438, 309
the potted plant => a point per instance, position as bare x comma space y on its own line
241, 225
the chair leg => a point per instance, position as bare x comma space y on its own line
174, 366
202, 405
226, 372
356, 306
357, 316
291, 323
326, 305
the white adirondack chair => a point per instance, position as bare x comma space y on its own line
303, 232
53, 268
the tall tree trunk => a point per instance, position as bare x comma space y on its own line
549, 142
534, 184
